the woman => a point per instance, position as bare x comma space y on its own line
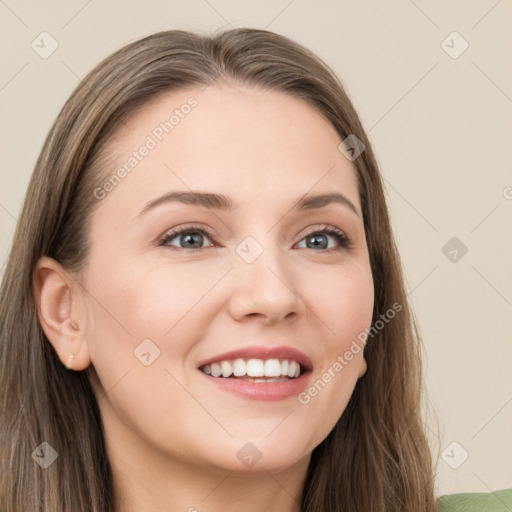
203, 307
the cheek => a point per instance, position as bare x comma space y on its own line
343, 301
141, 303
135, 303
131, 314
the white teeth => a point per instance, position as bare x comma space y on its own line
239, 368
226, 369
272, 368
292, 369
259, 368
215, 370
255, 368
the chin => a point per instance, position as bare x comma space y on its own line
263, 456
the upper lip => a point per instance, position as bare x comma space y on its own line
261, 352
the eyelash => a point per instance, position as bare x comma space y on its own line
342, 238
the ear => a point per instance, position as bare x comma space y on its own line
60, 309
363, 368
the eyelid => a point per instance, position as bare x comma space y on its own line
343, 239
173, 233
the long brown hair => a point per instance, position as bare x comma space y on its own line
377, 457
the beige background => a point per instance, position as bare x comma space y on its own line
441, 128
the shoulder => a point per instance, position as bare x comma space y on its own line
497, 501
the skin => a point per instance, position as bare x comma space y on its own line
172, 436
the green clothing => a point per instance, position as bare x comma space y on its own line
497, 501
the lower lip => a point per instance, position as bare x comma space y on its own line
269, 391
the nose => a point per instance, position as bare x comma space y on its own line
266, 289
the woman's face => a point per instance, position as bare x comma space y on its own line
252, 280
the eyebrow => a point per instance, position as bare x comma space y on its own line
224, 203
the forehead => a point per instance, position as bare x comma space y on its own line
244, 143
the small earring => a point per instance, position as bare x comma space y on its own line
70, 360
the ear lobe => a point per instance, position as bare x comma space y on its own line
59, 310
363, 368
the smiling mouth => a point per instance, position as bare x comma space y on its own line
255, 370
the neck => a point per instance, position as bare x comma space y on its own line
147, 480
202, 491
